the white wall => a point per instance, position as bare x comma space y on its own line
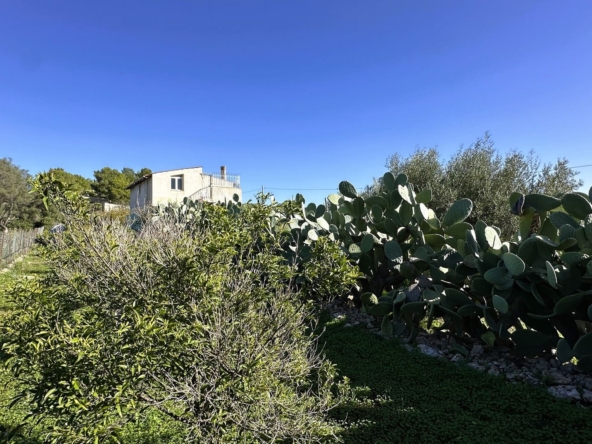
161, 185
141, 194
157, 189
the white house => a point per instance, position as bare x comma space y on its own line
173, 185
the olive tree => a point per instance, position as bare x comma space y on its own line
480, 173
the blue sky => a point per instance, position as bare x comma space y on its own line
293, 95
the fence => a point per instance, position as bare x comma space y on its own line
15, 243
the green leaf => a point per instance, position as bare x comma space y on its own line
458, 230
497, 276
564, 351
567, 304
367, 243
358, 207
576, 205
514, 264
424, 196
347, 189
334, 198
492, 238
389, 181
472, 243
405, 193
380, 309
323, 223
393, 251
468, 310
376, 200
560, 218
457, 297
541, 202
500, 303
430, 296
401, 179
573, 257
551, 276
49, 393
400, 298
377, 213
435, 241
312, 235
458, 212
413, 308
584, 346
489, 338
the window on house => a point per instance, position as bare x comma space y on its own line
176, 182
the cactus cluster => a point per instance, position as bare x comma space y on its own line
532, 293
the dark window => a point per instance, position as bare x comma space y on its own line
176, 182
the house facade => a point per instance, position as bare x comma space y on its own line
173, 186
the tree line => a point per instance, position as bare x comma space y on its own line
19, 208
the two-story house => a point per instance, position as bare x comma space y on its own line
174, 185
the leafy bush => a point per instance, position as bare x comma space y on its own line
192, 317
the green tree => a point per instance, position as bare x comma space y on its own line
480, 173
111, 184
75, 182
16, 203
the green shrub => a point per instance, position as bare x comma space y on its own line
191, 317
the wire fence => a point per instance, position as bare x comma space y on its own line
15, 243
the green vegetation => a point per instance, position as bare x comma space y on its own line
532, 293
195, 318
203, 314
21, 209
401, 397
481, 174
17, 207
406, 397
112, 184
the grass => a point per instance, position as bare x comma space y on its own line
31, 265
406, 397
401, 396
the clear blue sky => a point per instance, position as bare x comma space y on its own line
297, 95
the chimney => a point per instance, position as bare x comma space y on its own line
223, 172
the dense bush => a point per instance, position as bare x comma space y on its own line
196, 316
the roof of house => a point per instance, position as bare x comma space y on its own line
148, 176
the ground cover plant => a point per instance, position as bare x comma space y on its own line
407, 397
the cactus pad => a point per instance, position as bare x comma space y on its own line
458, 212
